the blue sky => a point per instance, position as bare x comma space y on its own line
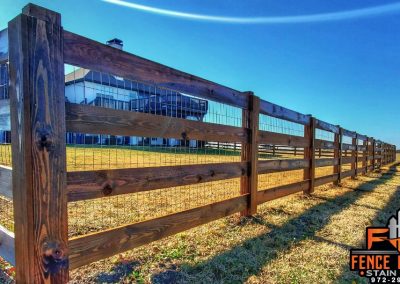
344, 72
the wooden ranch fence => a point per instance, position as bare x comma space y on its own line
35, 48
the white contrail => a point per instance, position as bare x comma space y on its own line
323, 17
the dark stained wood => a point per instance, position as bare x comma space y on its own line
96, 246
348, 133
6, 182
326, 126
87, 53
325, 162
266, 137
348, 173
249, 154
347, 160
7, 245
337, 169
95, 184
42, 13
99, 120
326, 179
322, 144
354, 156
272, 166
361, 137
38, 150
348, 147
283, 113
4, 46
309, 153
281, 191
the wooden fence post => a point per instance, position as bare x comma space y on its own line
365, 156
309, 153
373, 154
354, 154
249, 183
38, 146
337, 155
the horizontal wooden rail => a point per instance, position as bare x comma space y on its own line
87, 53
6, 182
348, 147
271, 166
281, 191
283, 113
326, 162
326, 179
96, 246
346, 174
96, 184
99, 120
322, 144
4, 46
326, 126
351, 134
266, 137
7, 245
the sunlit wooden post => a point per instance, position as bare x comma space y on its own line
354, 155
38, 146
249, 183
309, 154
337, 155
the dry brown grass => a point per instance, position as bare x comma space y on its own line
293, 240
296, 239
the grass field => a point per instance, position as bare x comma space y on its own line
277, 246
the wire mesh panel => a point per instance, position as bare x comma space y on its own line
98, 151
6, 206
322, 153
279, 152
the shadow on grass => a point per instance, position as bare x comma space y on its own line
248, 258
380, 219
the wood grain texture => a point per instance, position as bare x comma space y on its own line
249, 154
348, 133
272, 166
96, 246
281, 191
348, 173
283, 113
325, 162
99, 120
337, 154
309, 153
7, 245
322, 144
96, 184
326, 179
326, 126
87, 53
6, 182
266, 137
38, 150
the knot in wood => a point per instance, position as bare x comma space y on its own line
107, 189
54, 256
44, 140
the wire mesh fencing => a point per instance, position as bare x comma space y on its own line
102, 152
